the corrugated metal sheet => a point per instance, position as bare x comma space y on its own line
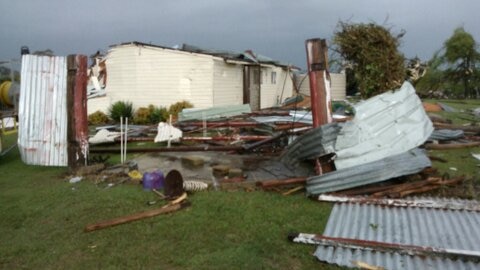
42, 136
423, 202
384, 125
214, 112
167, 132
314, 143
338, 87
446, 134
448, 229
406, 163
294, 116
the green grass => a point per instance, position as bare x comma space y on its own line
43, 217
463, 106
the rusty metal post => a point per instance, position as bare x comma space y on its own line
77, 127
317, 66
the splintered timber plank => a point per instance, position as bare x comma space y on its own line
133, 217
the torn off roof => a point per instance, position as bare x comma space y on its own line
410, 162
451, 230
385, 125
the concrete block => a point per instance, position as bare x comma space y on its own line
235, 172
193, 161
220, 170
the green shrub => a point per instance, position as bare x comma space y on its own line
142, 116
158, 114
178, 107
121, 109
98, 118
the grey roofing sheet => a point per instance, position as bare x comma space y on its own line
314, 143
42, 112
446, 134
446, 107
384, 125
294, 116
449, 229
406, 163
213, 112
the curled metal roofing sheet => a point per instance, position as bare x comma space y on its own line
42, 135
384, 125
437, 228
314, 143
406, 163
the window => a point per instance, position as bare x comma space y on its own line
273, 78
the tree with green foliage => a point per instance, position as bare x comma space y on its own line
453, 70
461, 56
434, 78
372, 53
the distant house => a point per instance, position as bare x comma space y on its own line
147, 74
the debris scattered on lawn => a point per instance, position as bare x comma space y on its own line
153, 180
173, 184
477, 156
135, 175
449, 146
446, 135
404, 238
104, 136
406, 163
192, 186
167, 132
404, 189
75, 179
446, 107
173, 206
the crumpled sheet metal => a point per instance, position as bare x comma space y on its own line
166, 132
213, 112
383, 126
104, 136
294, 116
410, 162
439, 228
446, 134
314, 143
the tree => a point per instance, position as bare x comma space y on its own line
372, 53
434, 78
462, 57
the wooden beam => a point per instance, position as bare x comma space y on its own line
126, 219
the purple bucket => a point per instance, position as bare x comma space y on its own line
153, 180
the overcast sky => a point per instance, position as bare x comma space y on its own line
277, 29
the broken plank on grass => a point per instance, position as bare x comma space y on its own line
126, 219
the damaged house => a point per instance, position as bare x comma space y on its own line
148, 74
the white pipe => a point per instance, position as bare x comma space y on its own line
126, 140
121, 140
169, 130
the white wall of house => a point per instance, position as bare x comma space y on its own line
275, 88
147, 75
227, 83
338, 85
150, 75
